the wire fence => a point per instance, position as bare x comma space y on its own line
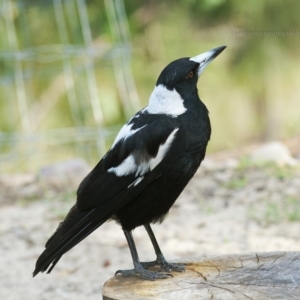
54, 68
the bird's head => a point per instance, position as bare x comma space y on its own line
187, 70
178, 80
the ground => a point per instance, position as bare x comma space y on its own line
232, 205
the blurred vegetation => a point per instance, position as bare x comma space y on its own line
251, 90
284, 210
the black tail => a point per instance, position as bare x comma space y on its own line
76, 226
79, 224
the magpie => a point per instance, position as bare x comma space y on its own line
151, 161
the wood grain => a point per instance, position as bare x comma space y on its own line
265, 276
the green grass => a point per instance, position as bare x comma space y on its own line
287, 210
245, 163
280, 172
236, 183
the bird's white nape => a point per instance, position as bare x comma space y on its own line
164, 101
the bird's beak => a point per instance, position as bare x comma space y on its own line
206, 58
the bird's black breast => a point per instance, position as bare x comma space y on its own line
192, 141
176, 169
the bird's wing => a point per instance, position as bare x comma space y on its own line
126, 170
131, 159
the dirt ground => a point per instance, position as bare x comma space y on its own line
230, 206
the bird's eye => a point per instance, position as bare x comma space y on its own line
190, 75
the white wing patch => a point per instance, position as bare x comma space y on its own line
162, 150
164, 101
125, 133
129, 166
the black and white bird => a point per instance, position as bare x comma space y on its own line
152, 159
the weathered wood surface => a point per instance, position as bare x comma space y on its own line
257, 276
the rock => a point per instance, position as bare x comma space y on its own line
273, 152
64, 175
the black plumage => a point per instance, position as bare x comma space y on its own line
151, 161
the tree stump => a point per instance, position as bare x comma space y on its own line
257, 276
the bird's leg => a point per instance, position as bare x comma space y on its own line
160, 259
138, 268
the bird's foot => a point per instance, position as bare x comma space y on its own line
145, 274
165, 266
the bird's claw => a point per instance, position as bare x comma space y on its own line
164, 265
145, 274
